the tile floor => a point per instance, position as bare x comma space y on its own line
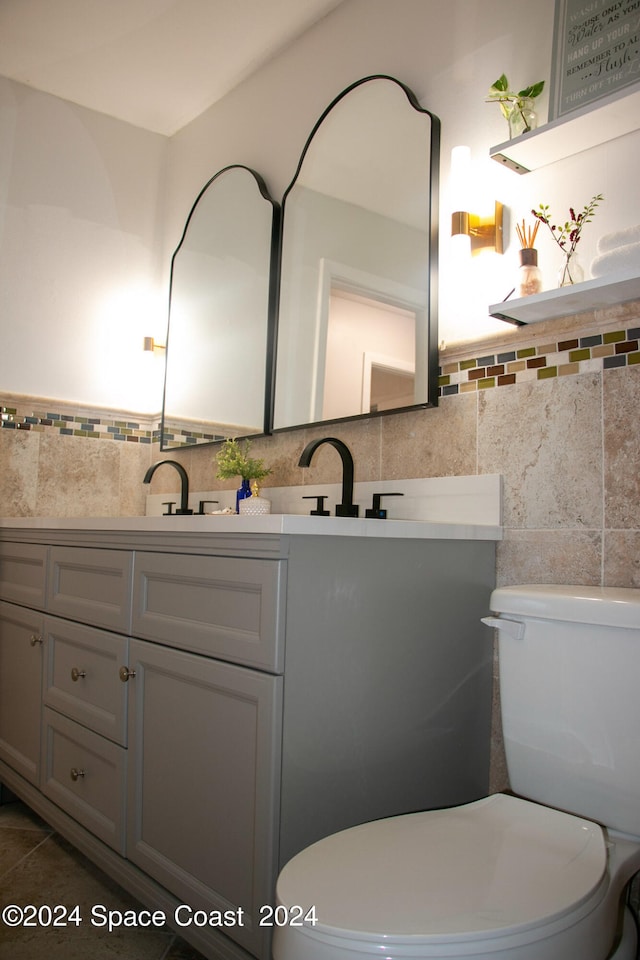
37, 866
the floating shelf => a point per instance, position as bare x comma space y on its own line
580, 130
565, 301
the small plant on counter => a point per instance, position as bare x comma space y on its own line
568, 235
234, 461
516, 108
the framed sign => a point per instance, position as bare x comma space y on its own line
596, 51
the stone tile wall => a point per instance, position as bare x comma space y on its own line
66, 461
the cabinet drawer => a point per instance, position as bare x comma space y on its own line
93, 586
85, 775
82, 676
225, 607
23, 568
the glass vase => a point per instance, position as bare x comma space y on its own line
570, 272
529, 274
522, 117
244, 491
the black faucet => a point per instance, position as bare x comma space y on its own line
347, 508
184, 483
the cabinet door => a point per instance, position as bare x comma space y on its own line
203, 783
21, 641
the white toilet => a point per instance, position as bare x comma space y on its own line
505, 877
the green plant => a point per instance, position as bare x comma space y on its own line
512, 105
234, 461
567, 235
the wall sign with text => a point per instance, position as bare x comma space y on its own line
596, 51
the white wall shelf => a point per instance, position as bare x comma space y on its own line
580, 130
565, 301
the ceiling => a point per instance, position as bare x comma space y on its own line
157, 64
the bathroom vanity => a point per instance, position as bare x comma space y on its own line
193, 700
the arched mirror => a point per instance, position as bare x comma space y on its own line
357, 321
220, 337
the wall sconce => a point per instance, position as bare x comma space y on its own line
484, 232
151, 345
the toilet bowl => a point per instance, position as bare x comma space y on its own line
499, 878
504, 878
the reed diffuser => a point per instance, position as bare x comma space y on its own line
529, 275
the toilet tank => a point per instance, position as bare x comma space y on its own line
570, 698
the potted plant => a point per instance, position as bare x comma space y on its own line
517, 108
233, 460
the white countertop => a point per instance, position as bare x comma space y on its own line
274, 523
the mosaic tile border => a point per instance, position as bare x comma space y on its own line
17, 416
179, 437
21, 415
567, 357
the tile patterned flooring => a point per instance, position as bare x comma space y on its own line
37, 866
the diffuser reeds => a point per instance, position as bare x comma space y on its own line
527, 235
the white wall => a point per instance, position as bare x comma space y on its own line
88, 224
80, 266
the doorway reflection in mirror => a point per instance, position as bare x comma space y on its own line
370, 356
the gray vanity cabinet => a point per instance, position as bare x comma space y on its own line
193, 708
204, 747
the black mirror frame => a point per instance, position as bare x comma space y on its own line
277, 233
274, 273
433, 229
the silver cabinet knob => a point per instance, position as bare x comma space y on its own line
77, 674
76, 774
35, 640
126, 674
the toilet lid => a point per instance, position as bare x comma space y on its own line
498, 865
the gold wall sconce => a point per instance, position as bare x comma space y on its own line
485, 233
151, 345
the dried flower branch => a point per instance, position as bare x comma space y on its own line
567, 235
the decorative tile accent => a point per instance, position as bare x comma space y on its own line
588, 354
22, 416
